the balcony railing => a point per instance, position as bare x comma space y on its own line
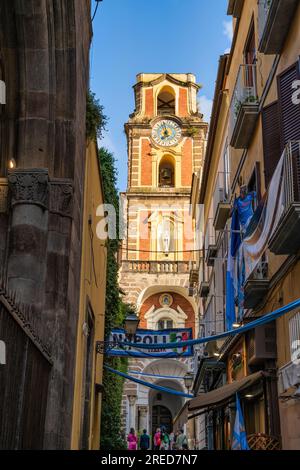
235, 8
203, 280
285, 239
263, 13
158, 267
221, 200
244, 107
210, 243
274, 19
261, 441
256, 286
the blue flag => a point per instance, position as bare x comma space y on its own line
234, 243
239, 436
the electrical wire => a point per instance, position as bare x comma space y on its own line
96, 8
92, 252
162, 252
148, 384
265, 319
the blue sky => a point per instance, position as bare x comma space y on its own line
133, 36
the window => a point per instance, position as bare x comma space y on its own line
271, 140
166, 102
254, 184
164, 324
250, 58
166, 172
88, 380
250, 49
294, 330
226, 161
289, 112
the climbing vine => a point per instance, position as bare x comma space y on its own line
115, 312
95, 118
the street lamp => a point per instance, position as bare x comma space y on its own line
188, 380
131, 323
130, 326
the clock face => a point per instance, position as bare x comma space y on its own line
166, 133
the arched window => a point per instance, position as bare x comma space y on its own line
165, 324
166, 102
166, 175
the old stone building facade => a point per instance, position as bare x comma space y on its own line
44, 64
166, 139
254, 143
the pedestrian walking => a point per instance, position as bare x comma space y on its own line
165, 440
132, 440
181, 441
172, 440
144, 440
157, 439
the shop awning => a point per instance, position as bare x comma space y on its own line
215, 397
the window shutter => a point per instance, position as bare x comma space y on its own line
271, 140
289, 112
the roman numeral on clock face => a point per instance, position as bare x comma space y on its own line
166, 133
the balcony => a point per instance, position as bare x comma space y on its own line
194, 277
274, 19
211, 248
244, 107
257, 286
235, 8
158, 267
285, 239
261, 441
204, 289
221, 198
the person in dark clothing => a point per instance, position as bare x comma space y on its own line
144, 440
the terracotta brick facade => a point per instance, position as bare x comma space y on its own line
149, 102
182, 105
146, 162
178, 301
187, 163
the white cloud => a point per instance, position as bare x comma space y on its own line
107, 142
205, 107
228, 29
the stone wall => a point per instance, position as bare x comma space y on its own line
44, 60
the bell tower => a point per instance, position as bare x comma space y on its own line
166, 142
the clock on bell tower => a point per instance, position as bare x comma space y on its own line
166, 138
166, 141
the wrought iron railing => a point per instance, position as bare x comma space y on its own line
222, 191
263, 12
222, 188
245, 92
291, 174
262, 441
210, 234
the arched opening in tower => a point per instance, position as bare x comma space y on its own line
166, 102
166, 172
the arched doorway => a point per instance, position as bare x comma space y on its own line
161, 416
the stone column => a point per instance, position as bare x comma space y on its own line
143, 418
132, 411
28, 190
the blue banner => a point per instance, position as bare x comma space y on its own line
118, 340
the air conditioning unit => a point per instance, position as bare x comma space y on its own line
262, 344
